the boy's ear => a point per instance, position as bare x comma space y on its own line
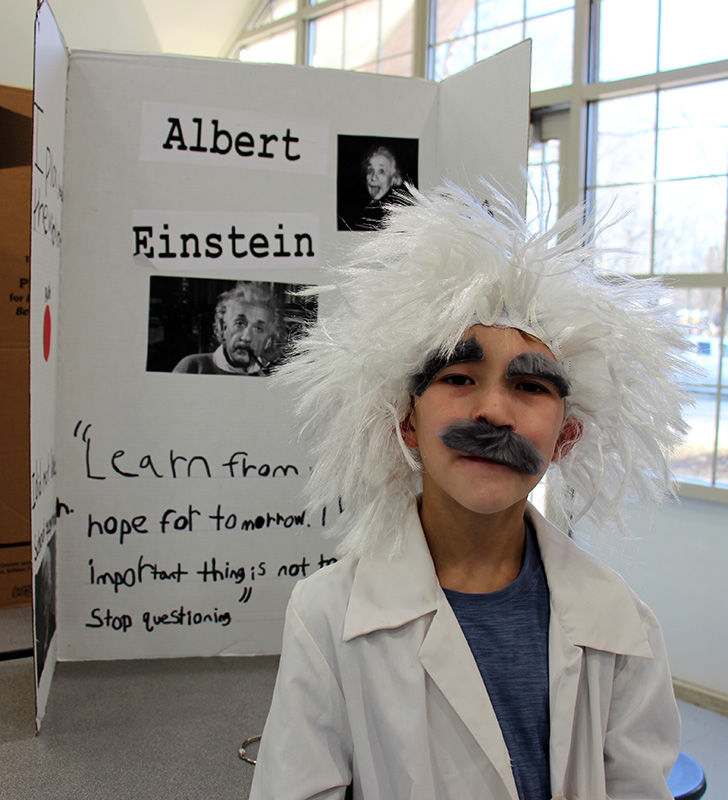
409, 434
570, 434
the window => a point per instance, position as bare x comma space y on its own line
278, 43
543, 175
629, 107
467, 31
657, 150
363, 35
663, 157
638, 38
369, 36
279, 48
275, 10
665, 154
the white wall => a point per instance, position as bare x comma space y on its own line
680, 569
85, 24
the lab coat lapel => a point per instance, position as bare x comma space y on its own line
443, 645
590, 608
565, 665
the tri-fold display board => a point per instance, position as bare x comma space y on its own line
167, 516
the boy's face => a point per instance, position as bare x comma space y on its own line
490, 380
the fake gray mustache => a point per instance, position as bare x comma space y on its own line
502, 445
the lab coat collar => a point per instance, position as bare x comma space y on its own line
592, 605
390, 592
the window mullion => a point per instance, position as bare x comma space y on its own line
659, 34
653, 227
421, 39
303, 35
595, 11
379, 35
574, 162
719, 393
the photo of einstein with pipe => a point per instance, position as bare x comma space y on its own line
205, 326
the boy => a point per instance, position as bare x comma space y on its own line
463, 647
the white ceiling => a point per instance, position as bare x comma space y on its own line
198, 27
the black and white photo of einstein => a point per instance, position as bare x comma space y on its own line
213, 326
372, 174
248, 332
382, 178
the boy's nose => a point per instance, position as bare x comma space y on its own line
493, 406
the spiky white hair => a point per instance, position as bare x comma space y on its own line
410, 291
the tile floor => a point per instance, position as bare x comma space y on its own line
16, 629
705, 738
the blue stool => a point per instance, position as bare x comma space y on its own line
687, 779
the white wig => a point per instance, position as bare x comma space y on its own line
410, 291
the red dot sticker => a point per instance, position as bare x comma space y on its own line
47, 333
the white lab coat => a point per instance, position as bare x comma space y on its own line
377, 686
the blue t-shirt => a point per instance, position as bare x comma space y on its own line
508, 634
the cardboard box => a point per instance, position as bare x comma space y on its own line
15, 175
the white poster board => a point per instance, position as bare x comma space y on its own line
49, 110
180, 523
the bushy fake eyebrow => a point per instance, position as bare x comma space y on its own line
464, 350
537, 365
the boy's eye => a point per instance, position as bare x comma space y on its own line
457, 379
532, 387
